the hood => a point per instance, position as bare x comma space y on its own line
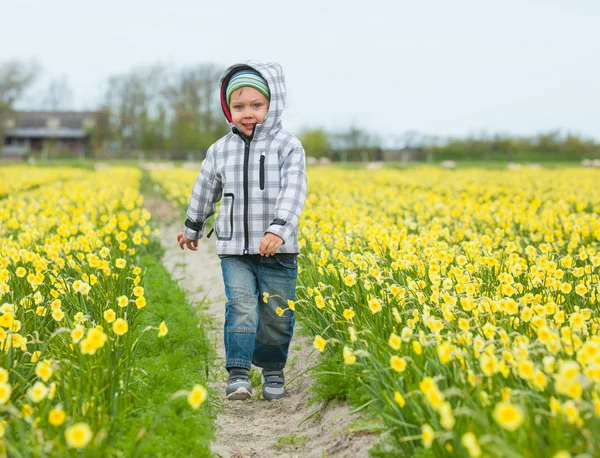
273, 74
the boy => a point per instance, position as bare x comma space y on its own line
258, 173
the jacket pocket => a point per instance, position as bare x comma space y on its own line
224, 227
262, 171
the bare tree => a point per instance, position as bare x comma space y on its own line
192, 95
132, 100
58, 95
15, 78
356, 144
152, 109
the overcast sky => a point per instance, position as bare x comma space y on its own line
440, 66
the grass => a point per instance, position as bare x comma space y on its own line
89, 162
290, 441
491, 165
69, 162
255, 378
334, 380
161, 426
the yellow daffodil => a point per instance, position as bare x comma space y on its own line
399, 399
37, 392
319, 343
508, 416
394, 341
162, 329
349, 356
197, 396
140, 302
5, 392
78, 435
120, 327
43, 370
56, 417
397, 363
427, 436
110, 315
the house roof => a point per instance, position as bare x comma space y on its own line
40, 119
50, 124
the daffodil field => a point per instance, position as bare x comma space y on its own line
464, 301
175, 184
70, 305
20, 178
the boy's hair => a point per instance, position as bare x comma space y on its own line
247, 78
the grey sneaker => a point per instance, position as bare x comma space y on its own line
272, 384
238, 385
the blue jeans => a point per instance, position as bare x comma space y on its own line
254, 333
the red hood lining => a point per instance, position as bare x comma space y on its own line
224, 85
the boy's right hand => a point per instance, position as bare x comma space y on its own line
184, 241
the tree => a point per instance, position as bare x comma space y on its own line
316, 142
548, 143
575, 147
99, 131
15, 78
132, 98
355, 144
193, 100
152, 109
58, 95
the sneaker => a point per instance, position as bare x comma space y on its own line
238, 385
272, 384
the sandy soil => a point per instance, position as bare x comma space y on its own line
257, 428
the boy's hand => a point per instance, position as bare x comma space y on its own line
183, 240
269, 244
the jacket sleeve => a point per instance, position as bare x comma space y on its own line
292, 195
205, 194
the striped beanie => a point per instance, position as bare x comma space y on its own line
249, 78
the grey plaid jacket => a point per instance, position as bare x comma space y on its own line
261, 182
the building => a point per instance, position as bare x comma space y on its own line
48, 133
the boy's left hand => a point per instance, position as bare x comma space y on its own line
269, 244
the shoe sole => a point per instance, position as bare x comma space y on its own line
241, 394
273, 397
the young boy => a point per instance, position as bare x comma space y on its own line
258, 173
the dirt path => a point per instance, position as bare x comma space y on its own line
256, 428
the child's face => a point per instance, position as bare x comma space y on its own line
248, 107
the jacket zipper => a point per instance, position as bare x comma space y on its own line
246, 141
246, 160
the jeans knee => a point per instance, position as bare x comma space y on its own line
275, 330
241, 314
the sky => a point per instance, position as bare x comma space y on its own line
439, 67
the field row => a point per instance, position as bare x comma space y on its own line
466, 303
72, 300
20, 178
